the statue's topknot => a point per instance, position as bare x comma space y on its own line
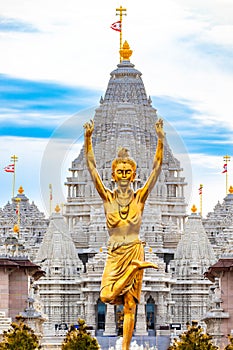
123, 153
123, 157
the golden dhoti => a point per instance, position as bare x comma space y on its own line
120, 256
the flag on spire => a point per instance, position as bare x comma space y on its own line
224, 168
116, 26
200, 189
10, 168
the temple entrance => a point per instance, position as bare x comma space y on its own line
150, 314
101, 312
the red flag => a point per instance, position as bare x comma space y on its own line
116, 26
17, 210
200, 189
224, 168
10, 168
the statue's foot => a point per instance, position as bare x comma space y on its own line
144, 264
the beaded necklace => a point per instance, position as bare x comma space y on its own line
123, 204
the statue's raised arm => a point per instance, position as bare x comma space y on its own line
90, 159
157, 162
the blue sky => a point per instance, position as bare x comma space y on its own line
55, 63
35, 108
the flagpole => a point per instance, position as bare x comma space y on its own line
14, 158
50, 198
120, 13
226, 159
200, 193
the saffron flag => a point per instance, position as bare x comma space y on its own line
224, 168
10, 168
116, 26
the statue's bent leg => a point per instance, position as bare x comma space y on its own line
112, 291
106, 295
129, 319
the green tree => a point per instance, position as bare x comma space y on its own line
19, 337
79, 339
230, 346
193, 339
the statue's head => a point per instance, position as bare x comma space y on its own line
124, 162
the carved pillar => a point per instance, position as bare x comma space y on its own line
160, 310
141, 318
91, 310
110, 323
72, 223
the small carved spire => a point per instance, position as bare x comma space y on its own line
125, 52
101, 100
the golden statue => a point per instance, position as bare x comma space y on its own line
123, 272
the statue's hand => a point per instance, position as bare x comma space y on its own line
159, 129
89, 127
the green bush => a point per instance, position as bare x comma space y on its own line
19, 337
79, 339
193, 339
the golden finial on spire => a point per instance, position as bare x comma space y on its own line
16, 228
57, 209
20, 190
230, 189
194, 208
125, 52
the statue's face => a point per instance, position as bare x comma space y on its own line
124, 174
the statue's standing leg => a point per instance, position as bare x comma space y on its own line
129, 319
